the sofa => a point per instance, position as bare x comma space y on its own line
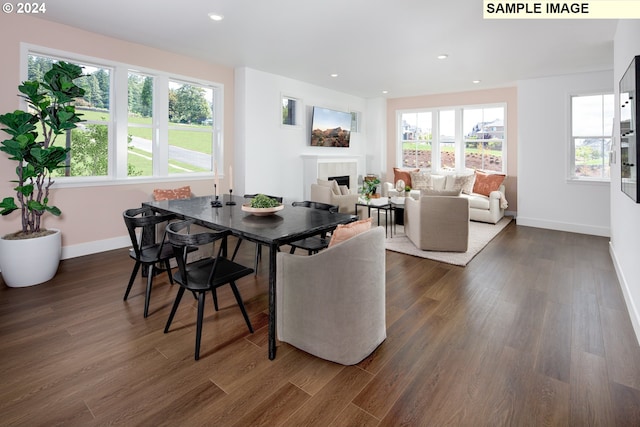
484, 190
331, 193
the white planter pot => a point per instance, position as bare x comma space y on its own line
28, 262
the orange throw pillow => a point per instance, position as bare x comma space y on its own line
172, 194
346, 231
403, 174
487, 182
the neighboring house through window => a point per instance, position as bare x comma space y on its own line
453, 138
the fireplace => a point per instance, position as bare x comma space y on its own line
342, 180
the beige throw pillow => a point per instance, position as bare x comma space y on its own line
420, 181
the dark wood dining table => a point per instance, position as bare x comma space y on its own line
285, 226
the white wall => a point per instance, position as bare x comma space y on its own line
546, 198
269, 154
625, 214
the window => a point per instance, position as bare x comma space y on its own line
453, 138
89, 143
591, 131
415, 139
190, 128
289, 111
168, 126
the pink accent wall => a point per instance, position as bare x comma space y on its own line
95, 213
507, 95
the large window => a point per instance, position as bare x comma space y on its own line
591, 130
138, 124
470, 137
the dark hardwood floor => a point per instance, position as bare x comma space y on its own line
533, 332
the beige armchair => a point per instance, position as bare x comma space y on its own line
332, 304
330, 193
437, 223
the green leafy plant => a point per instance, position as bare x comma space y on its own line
369, 186
407, 188
33, 132
262, 201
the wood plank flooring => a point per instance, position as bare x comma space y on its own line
533, 332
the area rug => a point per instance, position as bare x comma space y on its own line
480, 234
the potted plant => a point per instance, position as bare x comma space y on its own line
50, 113
369, 186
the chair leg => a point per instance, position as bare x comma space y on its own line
236, 293
199, 323
147, 296
167, 265
134, 273
176, 303
215, 298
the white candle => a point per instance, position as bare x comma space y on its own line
215, 173
230, 177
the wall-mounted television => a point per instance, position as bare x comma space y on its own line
330, 128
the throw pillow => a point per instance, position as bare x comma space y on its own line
487, 182
429, 192
464, 183
346, 231
344, 190
420, 181
403, 174
172, 194
332, 184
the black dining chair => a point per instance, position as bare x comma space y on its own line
147, 255
315, 243
204, 275
258, 255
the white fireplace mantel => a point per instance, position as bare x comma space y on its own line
322, 167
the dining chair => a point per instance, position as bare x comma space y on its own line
204, 275
313, 244
147, 255
258, 255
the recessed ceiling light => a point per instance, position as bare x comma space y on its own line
216, 17
334, 75
443, 56
385, 91
476, 81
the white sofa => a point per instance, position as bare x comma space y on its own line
482, 208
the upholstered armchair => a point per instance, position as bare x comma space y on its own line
331, 193
332, 304
437, 223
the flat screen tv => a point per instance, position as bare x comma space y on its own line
330, 128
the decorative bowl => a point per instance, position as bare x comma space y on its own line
262, 211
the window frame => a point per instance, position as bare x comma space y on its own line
571, 149
117, 173
459, 138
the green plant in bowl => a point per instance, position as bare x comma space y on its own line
262, 201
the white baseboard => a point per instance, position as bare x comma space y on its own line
565, 226
97, 246
631, 307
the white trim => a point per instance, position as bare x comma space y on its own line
565, 226
95, 247
624, 286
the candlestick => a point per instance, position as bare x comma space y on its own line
230, 202
215, 203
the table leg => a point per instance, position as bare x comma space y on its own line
273, 249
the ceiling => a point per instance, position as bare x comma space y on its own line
373, 45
